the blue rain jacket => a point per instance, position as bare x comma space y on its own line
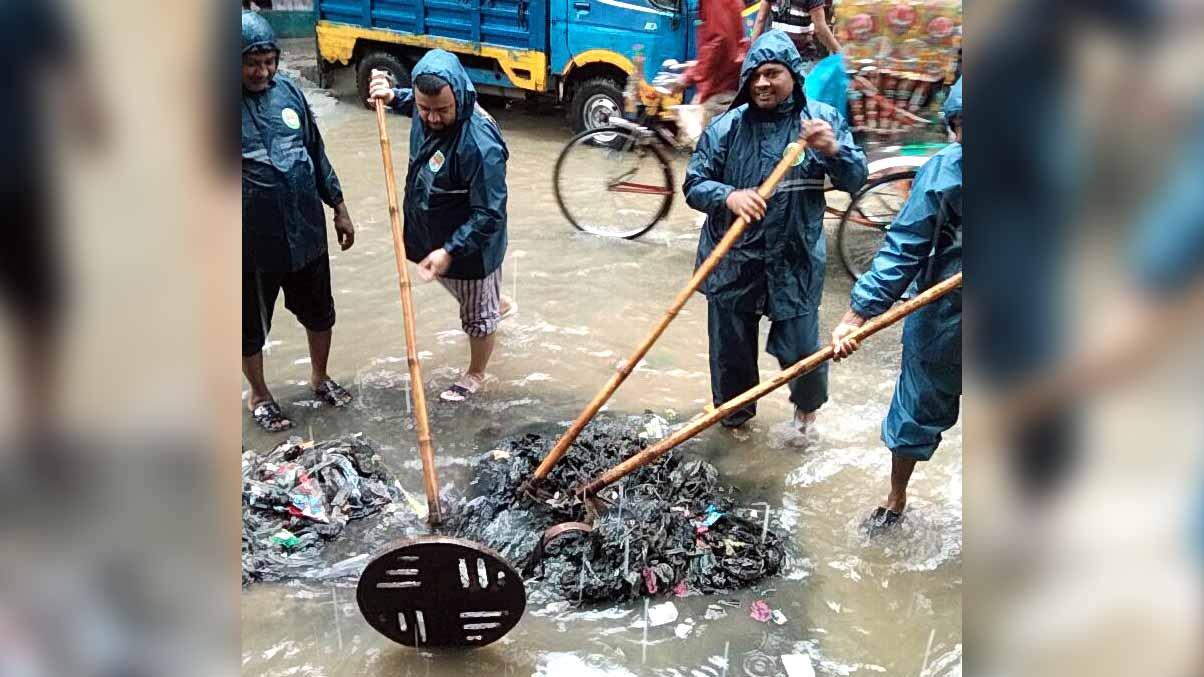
286, 177
456, 182
1168, 253
36, 39
776, 268
923, 246
953, 102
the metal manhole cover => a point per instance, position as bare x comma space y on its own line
440, 591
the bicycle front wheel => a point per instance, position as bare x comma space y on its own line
609, 183
864, 225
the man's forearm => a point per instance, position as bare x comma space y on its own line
473, 233
761, 20
707, 195
829, 40
852, 318
823, 31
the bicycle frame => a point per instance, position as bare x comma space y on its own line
649, 128
859, 218
639, 133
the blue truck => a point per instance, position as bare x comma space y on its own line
575, 52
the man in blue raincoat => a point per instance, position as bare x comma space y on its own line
923, 246
455, 199
776, 268
286, 177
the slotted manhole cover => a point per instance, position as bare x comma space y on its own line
440, 591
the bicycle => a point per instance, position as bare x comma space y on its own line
864, 223
617, 181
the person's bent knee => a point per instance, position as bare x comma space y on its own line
915, 452
480, 328
318, 323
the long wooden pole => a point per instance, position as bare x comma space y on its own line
625, 368
434, 511
795, 370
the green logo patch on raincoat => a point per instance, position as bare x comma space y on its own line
436, 162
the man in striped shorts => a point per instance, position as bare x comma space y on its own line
455, 199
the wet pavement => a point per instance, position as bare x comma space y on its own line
853, 605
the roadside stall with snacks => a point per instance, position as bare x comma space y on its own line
902, 56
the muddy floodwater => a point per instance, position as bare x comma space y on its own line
853, 605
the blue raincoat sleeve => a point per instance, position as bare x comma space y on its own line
847, 168
329, 188
403, 102
485, 168
1169, 252
704, 191
909, 241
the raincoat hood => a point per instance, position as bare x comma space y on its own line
772, 46
445, 66
953, 103
257, 33
455, 195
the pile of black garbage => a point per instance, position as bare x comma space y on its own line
669, 528
299, 498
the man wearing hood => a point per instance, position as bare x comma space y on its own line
776, 268
455, 199
286, 177
923, 246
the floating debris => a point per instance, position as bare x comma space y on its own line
670, 528
299, 498
760, 611
662, 614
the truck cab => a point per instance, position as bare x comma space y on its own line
576, 52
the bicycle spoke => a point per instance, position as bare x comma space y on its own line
616, 189
865, 224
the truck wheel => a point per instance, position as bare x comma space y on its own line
381, 61
594, 102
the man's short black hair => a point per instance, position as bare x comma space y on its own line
429, 84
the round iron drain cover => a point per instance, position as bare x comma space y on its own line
439, 591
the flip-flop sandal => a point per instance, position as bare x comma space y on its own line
881, 521
269, 417
460, 390
332, 393
737, 420
510, 311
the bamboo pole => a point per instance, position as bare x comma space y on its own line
427, 452
625, 368
797, 369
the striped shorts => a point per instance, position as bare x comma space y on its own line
480, 302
